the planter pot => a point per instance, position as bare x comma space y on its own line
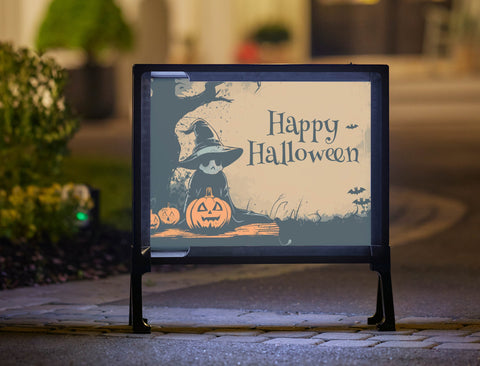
90, 90
275, 53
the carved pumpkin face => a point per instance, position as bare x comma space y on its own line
169, 215
208, 212
154, 221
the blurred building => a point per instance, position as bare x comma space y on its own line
228, 31
371, 26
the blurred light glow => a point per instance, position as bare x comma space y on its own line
82, 216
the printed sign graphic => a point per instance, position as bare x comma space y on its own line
259, 163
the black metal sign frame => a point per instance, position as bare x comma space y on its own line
247, 250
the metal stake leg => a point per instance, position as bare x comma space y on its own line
378, 316
384, 316
136, 312
387, 300
140, 265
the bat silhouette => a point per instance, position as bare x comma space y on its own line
362, 201
356, 190
352, 126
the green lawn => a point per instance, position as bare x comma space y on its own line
113, 177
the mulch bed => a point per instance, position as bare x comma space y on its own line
86, 256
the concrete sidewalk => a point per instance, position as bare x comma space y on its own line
84, 309
241, 326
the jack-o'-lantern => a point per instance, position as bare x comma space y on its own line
169, 215
154, 221
208, 212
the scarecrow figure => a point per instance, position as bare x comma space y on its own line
208, 159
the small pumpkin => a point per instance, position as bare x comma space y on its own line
154, 221
169, 215
208, 212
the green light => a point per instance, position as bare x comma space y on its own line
82, 216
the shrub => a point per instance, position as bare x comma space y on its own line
40, 214
35, 123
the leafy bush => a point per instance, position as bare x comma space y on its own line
35, 123
40, 214
274, 33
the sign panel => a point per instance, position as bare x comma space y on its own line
270, 162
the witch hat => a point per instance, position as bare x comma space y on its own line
208, 146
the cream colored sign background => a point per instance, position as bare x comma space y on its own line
310, 190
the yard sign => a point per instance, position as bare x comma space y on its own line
255, 164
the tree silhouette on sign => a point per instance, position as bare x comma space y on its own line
169, 108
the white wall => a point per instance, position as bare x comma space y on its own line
20, 19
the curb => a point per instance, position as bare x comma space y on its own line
236, 326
